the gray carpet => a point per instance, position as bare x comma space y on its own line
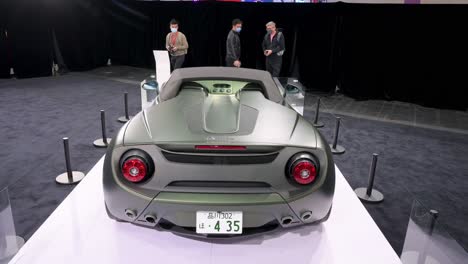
35, 114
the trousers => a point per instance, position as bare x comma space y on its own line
273, 64
177, 61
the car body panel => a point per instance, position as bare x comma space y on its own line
252, 180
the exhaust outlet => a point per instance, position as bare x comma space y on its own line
150, 219
286, 220
306, 216
130, 213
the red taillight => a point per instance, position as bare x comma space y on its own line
304, 171
219, 147
302, 168
134, 169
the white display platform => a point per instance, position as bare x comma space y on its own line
79, 231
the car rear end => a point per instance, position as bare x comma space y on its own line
215, 189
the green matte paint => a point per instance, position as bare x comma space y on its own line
219, 198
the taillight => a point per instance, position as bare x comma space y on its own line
302, 168
136, 166
134, 169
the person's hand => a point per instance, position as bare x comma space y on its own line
174, 48
268, 52
237, 63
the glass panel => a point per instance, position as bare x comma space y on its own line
427, 242
9, 242
295, 92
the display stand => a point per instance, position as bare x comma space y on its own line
79, 231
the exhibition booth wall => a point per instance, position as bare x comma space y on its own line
387, 51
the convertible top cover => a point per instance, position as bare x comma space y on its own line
179, 76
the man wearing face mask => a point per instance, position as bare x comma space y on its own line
273, 49
233, 45
176, 44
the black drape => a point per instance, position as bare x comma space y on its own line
4, 60
28, 38
81, 31
412, 53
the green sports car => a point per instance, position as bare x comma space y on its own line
220, 153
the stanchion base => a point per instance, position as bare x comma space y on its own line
13, 244
123, 119
99, 143
338, 150
63, 178
318, 124
376, 196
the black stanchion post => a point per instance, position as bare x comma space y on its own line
284, 96
124, 119
369, 194
335, 148
104, 141
424, 253
370, 184
434, 215
69, 177
317, 111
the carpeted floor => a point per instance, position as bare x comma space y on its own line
35, 114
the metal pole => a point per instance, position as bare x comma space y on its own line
372, 174
337, 131
103, 125
284, 96
104, 141
369, 194
126, 105
69, 177
434, 215
124, 119
422, 257
317, 111
335, 148
66, 148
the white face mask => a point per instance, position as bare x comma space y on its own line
173, 30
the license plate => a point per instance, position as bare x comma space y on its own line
212, 222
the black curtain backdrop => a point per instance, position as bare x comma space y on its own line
82, 31
4, 60
412, 53
28, 40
